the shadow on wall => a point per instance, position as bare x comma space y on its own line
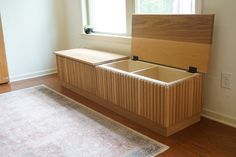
33, 30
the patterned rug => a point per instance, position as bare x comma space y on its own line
39, 122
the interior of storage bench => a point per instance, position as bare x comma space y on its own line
164, 74
130, 65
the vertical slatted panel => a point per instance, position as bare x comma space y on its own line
138, 96
185, 99
166, 106
152, 101
59, 69
163, 105
107, 85
77, 74
144, 98
121, 89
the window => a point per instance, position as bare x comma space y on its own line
108, 16
114, 16
166, 6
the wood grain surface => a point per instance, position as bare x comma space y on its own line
4, 78
178, 41
91, 57
183, 28
77, 74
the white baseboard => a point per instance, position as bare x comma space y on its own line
221, 118
32, 75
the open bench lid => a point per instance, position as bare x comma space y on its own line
179, 41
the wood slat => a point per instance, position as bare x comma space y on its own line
132, 94
185, 99
118, 88
77, 74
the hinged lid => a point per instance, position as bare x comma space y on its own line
89, 56
180, 41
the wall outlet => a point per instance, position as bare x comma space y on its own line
226, 80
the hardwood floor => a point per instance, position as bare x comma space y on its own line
204, 139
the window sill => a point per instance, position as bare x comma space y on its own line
106, 37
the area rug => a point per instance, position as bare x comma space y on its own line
39, 122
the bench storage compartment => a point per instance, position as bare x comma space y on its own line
167, 98
161, 88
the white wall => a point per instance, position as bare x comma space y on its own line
219, 104
33, 29
73, 21
222, 101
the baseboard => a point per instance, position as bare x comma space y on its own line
32, 75
221, 118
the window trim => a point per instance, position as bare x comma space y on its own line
198, 7
107, 38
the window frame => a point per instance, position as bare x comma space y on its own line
131, 8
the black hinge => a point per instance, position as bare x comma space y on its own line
192, 69
135, 58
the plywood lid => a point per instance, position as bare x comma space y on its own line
179, 41
91, 57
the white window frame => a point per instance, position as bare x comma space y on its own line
198, 7
131, 8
